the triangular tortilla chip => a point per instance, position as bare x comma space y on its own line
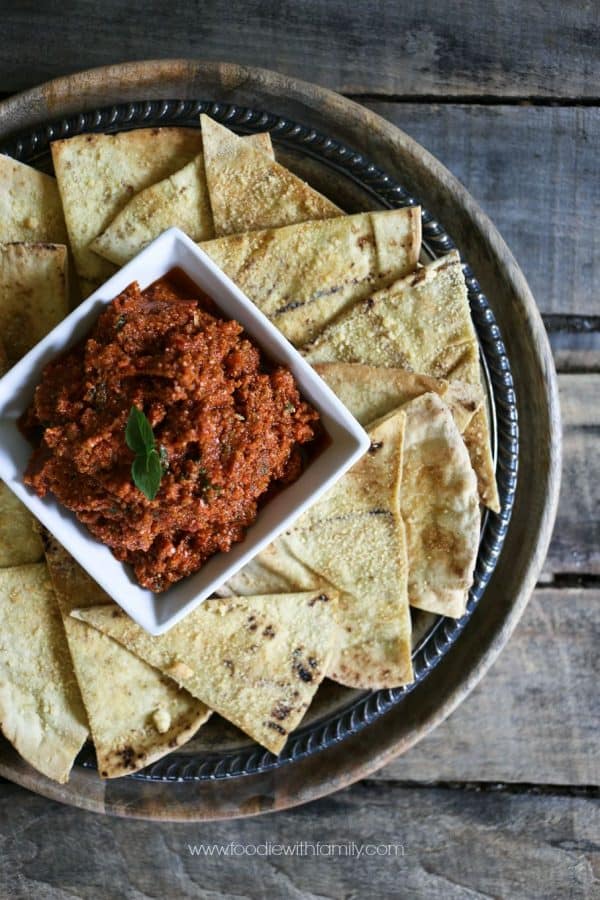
19, 541
303, 276
98, 174
136, 715
33, 294
41, 712
353, 539
440, 509
421, 322
180, 199
257, 661
370, 392
30, 207
248, 191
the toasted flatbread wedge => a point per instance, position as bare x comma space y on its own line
440, 509
41, 712
136, 714
19, 541
303, 276
33, 294
98, 174
353, 540
257, 661
180, 199
370, 392
248, 191
421, 322
30, 207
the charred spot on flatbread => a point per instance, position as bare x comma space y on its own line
248, 675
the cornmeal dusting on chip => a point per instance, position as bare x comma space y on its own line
179, 200
98, 174
121, 692
259, 665
41, 712
440, 509
303, 276
249, 190
353, 539
422, 322
19, 541
30, 207
33, 294
370, 392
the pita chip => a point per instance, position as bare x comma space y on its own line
30, 207
353, 540
440, 508
19, 541
136, 714
257, 661
303, 276
423, 323
33, 294
249, 191
98, 174
370, 392
41, 712
181, 199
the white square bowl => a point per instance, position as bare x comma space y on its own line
156, 613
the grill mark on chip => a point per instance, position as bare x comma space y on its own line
276, 727
280, 711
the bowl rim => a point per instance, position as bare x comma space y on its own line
348, 441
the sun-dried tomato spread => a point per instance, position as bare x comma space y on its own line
229, 426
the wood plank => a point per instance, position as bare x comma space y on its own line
532, 49
575, 545
535, 172
535, 717
443, 844
575, 342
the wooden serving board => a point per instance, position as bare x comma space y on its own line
539, 459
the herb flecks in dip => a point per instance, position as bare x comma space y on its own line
228, 426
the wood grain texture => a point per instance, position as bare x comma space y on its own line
472, 48
535, 171
444, 844
575, 545
537, 494
535, 718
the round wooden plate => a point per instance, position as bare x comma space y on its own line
539, 454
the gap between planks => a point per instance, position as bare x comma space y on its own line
475, 99
496, 787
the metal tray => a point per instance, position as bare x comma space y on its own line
351, 180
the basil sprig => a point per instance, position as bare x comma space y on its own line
147, 467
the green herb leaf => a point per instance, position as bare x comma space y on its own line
148, 466
146, 472
138, 433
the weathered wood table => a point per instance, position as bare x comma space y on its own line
502, 799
